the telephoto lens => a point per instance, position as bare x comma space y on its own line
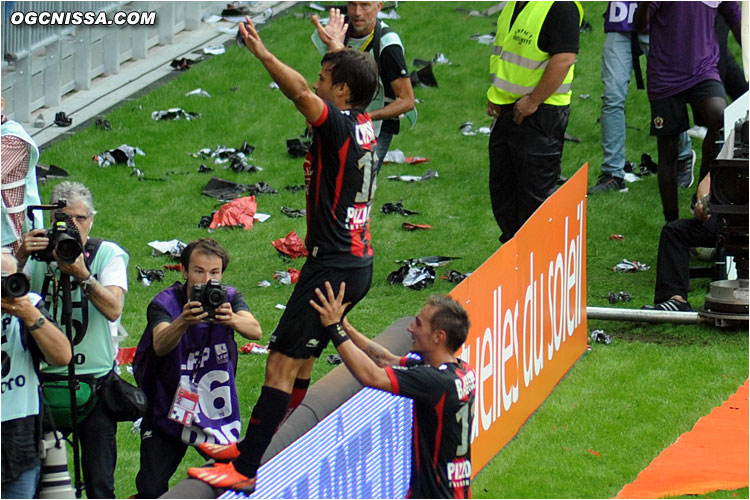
67, 247
55, 482
15, 285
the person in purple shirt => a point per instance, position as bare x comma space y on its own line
186, 363
683, 69
623, 46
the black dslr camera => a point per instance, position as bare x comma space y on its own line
211, 295
64, 237
15, 285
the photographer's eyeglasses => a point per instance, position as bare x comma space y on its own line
78, 218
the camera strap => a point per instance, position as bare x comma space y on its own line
90, 249
51, 288
37, 357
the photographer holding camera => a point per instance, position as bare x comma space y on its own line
97, 270
28, 335
186, 364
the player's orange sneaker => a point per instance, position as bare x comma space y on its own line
223, 475
220, 452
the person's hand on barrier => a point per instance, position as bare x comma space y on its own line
252, 39
334, 33
524, 107
331, 308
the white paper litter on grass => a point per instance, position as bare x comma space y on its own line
395, 156
170, 247
215, 50
631, 177
199, 91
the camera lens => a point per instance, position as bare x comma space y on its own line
215, 297
16, 285
68, 249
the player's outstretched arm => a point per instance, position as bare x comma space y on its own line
379, 354
331, 308
290, 82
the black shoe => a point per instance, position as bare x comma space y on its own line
648, 166
671, 305
608, 183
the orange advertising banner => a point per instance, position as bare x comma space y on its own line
527, 306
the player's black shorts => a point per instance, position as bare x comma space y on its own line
299, 333
669, 116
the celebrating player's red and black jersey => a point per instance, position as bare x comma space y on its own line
340, 183
443, 414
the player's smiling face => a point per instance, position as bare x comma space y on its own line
324, 87
421, 330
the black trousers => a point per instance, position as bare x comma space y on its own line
98, 436
673, 258
160, 457
524, 163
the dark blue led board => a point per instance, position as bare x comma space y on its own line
361, 450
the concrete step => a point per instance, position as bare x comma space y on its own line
136, 76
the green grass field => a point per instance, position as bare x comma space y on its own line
627, 400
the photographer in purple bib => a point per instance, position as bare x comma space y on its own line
186, 363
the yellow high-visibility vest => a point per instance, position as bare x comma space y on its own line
517, 64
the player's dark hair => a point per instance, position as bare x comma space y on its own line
206, 246
356, 69
450, 317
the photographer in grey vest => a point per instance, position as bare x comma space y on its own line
29, 335
98, 280
362, 30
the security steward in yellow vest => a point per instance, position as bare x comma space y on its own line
531, 71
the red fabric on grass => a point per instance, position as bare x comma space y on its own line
712, 456
239, 211
125, 355
292, 246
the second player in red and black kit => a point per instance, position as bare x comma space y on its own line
441, 386
443, 414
